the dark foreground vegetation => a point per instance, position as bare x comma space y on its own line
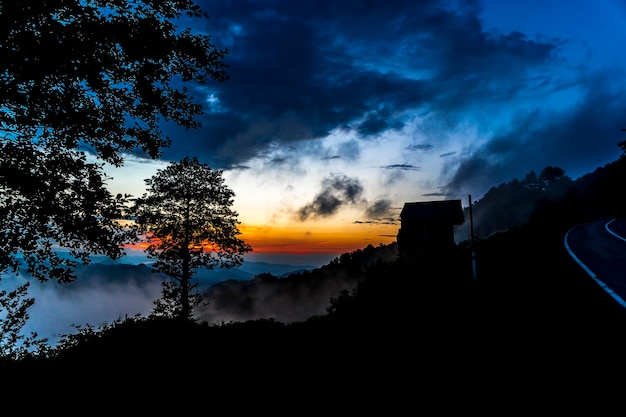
526, 317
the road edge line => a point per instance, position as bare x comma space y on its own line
606, 226
591, 274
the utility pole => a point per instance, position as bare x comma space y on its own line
472, 236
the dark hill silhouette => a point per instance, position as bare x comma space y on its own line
530, 319
294, 297
512, 204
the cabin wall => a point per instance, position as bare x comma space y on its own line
425, 235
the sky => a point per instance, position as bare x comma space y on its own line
336, 113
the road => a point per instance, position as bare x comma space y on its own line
600, 249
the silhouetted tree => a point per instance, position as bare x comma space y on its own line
556, 184
187, 217
622, 146
511, 204
82, 80
14, 307
550, 174
532, 181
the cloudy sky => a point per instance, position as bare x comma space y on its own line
338, 112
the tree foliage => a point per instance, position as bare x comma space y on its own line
15, 345
187, 218
622, 146
82, 84
512, 203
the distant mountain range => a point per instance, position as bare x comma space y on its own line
108, 272
136, 268
289, 297
105, 290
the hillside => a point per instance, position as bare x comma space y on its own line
291, 298
529, 313
549, 198
520, 201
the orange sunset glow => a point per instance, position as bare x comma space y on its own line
301, 239
298, 239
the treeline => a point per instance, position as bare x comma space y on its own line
293, 298
551, 196
522, 300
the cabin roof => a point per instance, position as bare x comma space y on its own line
450, 210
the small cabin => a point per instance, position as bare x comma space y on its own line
429, 225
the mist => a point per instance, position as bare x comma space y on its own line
93, 299
105, 291
286, 300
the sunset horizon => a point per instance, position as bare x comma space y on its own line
323, 137
250, 177
302, 245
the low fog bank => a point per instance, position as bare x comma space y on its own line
265, 297
106, 291
291, 298
101, 293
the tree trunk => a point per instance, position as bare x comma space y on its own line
185, 309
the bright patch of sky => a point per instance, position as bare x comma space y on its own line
336, 110
130, 178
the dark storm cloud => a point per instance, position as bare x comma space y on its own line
577, 141
404, 167
377, 122
300, 70
378, 209
277, 161
337, 190
420, 147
